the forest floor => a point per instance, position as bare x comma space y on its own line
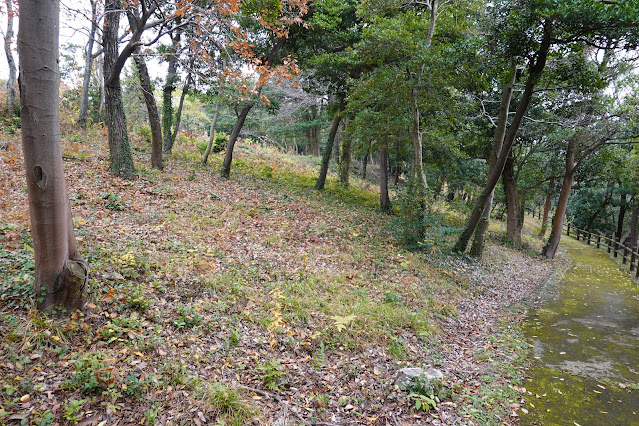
254, 300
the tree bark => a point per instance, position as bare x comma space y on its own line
88, 65
154, 115
416, 136
536, 69
167, 95
178, 115
367, 154
550, 249
547, 203
511, 191
121, 160
60, 273
209, 145
8, 41
622, 214
634, 221
477, 247
345, 161
384, 199
228, 156
328, 149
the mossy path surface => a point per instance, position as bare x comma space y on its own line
586, 346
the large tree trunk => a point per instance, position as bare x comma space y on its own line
88, 65
622, 214
328, 149
547, 203
167, 95
509, 180
550, 249
477, 247
8, 40
345, 162
60, 272
384, 199
121, 161
209, 145
535, 71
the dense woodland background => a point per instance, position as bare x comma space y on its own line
263, 189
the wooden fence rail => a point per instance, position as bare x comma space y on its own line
629, 255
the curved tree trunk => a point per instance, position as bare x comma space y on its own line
328, 149
88, 65
60, 272
228, 155
550, 249
535, 71
477, 247
121, 160
8, 41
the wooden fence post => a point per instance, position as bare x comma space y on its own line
610, 243
568, 229
624, 260
599, 240
589, 235
633, 259
615, 246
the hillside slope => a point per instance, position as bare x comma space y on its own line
254, 299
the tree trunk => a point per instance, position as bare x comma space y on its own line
328, 149
121, 161
634, 221
88, 65
547, 203
60, 273
345, 162
622, 214
367, 154
384, 199
535, 71
154, 116
550, 249
11, 82
209, 145
477, 247
418, 165
512, 202
312, 133
228, 156
178, 115
167, 95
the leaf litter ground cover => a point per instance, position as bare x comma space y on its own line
250, 300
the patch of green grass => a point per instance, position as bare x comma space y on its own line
230, 404
92, 375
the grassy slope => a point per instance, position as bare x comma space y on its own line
254, 298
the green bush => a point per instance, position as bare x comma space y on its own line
220, 142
